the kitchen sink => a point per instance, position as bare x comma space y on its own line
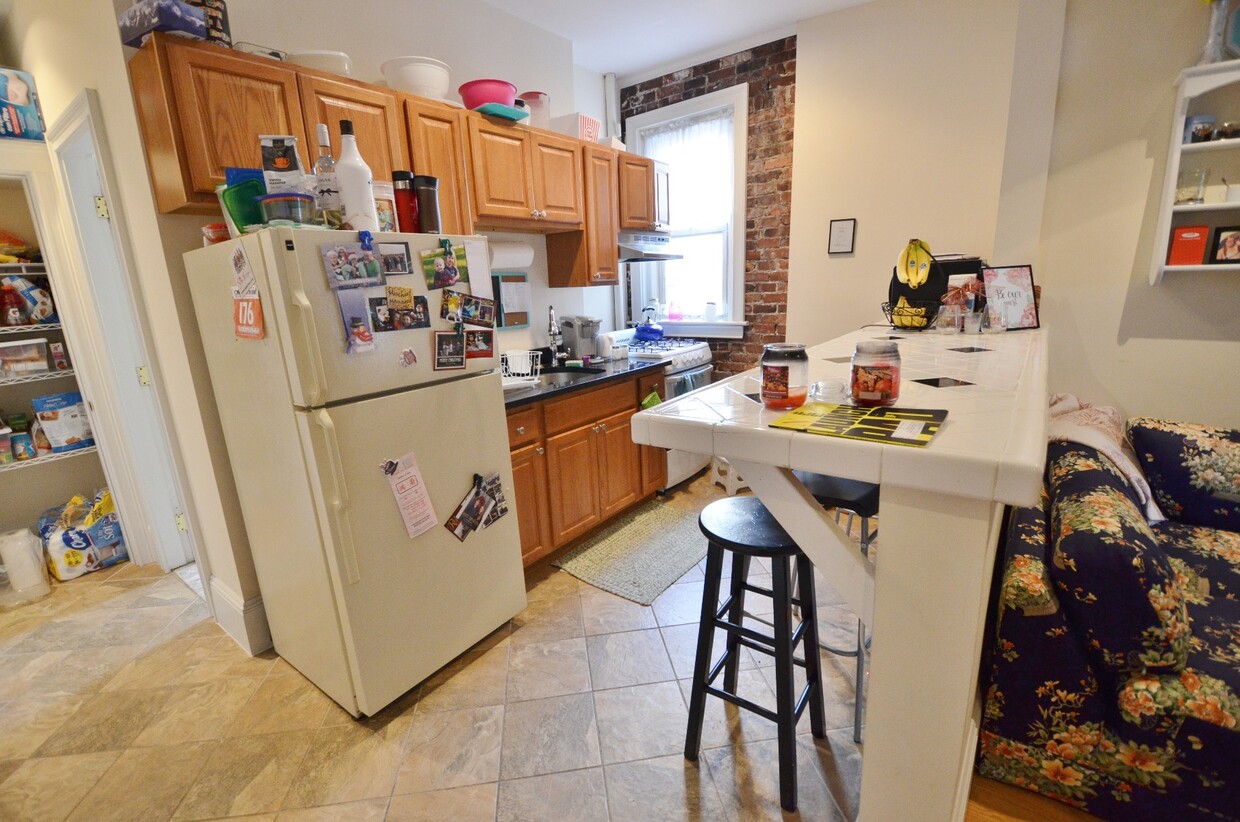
566, 376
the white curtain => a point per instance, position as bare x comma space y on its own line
699, 148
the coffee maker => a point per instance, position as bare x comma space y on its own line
579, 336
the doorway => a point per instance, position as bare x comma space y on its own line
122, 376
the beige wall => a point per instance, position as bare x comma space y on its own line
941, 141
1171, 350
901, 107
70, 45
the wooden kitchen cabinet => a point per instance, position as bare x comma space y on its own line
523, 178
437, 143
573, 482
529, 480
201, 109
378, 122
589, 257
636, 184
652, 460
619, 475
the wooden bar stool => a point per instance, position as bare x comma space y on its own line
745, 527
857, 499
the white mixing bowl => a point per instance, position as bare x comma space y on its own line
423, 76
337, 62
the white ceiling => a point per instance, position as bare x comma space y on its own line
629, 36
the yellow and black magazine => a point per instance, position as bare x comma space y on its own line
914, 427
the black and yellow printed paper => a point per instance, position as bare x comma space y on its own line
895, 426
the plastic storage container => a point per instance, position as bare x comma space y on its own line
20, 358
23, 576
297, 208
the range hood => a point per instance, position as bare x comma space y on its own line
644, 247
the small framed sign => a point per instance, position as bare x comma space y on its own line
841, 236
1009, 293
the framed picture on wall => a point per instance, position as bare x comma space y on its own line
1009, 292
841, 236
1226, 247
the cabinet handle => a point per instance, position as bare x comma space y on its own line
520, 429
602, 428
594, 428
534, 214
541, 450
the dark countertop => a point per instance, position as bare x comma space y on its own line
612, 370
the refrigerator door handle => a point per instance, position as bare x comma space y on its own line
342, 538
305, 315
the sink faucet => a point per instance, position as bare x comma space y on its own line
557, 338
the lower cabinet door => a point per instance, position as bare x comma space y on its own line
573, 483
529, 486
620, 482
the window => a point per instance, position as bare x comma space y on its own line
704, 143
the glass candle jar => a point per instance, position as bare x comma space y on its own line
785, 375
875, 373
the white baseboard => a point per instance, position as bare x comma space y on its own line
244, 620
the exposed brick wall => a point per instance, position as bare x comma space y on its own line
770, 70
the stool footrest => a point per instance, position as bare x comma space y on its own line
744, 703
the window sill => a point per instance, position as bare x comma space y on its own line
714, 329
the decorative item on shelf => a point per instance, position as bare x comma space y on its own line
1226, 248
1227, 131
1188, 245
1190, 186
1198, 128
1215, 34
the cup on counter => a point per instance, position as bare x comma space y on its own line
973, 322
948, 320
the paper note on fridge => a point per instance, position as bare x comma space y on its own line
479, 260
412, 499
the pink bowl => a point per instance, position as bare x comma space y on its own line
480, 92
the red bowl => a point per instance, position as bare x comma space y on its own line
480, 92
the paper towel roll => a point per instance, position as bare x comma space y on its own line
510, 255
22, 558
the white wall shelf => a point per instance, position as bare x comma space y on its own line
39, 377
1211, 89
46, 458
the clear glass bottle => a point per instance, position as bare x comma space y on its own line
357, 198
785, 375
876, 373
326, 186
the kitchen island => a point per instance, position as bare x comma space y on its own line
924, 590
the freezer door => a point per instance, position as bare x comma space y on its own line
313, 326
409, 606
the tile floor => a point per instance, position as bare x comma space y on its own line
120, 699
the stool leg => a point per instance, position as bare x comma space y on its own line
706, 637
740, 575
809, 646
785, 698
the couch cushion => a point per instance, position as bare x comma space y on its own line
1117, 586
1194, 470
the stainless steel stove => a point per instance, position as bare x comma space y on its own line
689, 368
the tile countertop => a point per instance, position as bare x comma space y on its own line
991, 446
612, 370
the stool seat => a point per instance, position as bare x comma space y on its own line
837, 492
745, 526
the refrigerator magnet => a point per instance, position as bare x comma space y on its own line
495, 490
479, 344
412, 499
443, 267
408, 358
395, 258
349, 265
478, 311
450, 305
380, 315
355, 315
398, 296
449, 351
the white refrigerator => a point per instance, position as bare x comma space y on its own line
359, 607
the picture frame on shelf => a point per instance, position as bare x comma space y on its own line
1009, 292
1226, 246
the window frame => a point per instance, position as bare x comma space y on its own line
730, 324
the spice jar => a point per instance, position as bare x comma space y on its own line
427, 191
875, 373
785, 375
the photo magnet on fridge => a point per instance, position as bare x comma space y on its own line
380, 315
450, 305
444, 268
349, 265
395, 258
355, 314
449, 351
479, 344
478, 311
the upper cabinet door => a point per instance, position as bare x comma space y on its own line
601, 220
556, 169
437, 143
376, 120
224, 103
500, 182
636, 192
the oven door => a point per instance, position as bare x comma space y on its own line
686, 381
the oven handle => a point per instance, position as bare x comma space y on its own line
686, 381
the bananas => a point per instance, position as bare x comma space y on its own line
913, 266
904, 315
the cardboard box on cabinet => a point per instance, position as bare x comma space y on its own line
581, 126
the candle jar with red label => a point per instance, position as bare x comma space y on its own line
875, 373
785, 375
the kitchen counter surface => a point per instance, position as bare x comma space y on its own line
612, 370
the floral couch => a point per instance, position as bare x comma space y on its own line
1114, 672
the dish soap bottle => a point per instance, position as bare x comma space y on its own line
326, 186
357, 199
